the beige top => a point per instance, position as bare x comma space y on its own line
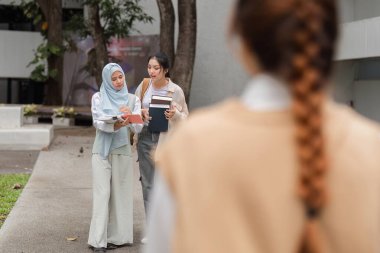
238, 192
179, 103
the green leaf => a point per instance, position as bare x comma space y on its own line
53, 73
37, 19
54, 49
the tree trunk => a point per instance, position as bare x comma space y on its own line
167, 21
52, 10
184, 59
100, 45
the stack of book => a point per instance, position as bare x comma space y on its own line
157, 108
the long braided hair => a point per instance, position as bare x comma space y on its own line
294, 39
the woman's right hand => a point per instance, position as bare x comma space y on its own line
119, 124
145, 115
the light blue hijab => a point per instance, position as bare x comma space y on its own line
111, 101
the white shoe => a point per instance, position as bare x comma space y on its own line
144, 240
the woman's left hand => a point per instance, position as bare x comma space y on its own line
170, 112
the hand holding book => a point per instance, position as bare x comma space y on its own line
133, 118
145, 115
169, 113
119, 124
127, 118
160, 111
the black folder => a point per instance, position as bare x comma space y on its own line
158, 123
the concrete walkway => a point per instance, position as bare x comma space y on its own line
56, 203
17, 161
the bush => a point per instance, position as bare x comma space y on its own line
30, 110
64, 112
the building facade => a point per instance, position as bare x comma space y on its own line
217, 72
19, 38
357, 79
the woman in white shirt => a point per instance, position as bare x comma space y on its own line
159, 84
112, 165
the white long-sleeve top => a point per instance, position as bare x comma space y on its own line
262, 93
109, 127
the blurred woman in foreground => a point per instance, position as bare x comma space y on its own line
293, 171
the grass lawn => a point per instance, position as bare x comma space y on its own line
9, 195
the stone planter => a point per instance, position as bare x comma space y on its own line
60, 121
30, 119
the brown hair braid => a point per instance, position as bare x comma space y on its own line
294, 39
306, 78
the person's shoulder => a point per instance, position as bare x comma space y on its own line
215, 113
356, 121
211, 118
174, 86
354, 125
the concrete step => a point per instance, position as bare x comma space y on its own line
26, 137
10, 116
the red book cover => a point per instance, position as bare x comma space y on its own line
133, 118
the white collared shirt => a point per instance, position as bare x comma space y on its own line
262, 93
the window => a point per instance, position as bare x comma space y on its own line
12, 18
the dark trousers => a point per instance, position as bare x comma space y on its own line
147, 142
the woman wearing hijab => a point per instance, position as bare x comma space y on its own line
112, 167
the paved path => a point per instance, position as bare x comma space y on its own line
17, 161
56, 202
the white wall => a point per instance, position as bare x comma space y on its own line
16, 50
359, 39
151, 8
